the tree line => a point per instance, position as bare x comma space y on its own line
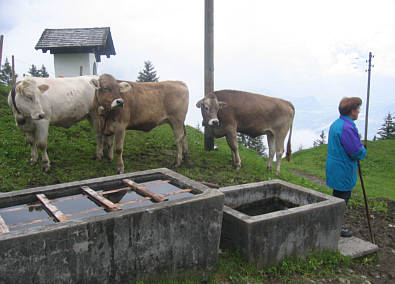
386, 131
6, 72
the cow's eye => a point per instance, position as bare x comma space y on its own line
206, 107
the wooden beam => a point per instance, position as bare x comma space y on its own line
3, 226
58, 215
99, 198
140, 189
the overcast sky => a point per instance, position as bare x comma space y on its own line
310, 52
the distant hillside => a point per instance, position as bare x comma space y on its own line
377, 168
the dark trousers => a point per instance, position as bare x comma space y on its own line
342, 194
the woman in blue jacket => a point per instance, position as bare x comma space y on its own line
344, 151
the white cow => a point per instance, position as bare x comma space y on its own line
40, 102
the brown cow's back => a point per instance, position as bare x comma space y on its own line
253, 113
149, 104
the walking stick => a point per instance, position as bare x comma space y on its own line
366, 202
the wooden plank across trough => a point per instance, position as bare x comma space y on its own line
58, 215
101, 199
3, 226
144, 191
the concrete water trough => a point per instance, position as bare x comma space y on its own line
150, 225
271, 220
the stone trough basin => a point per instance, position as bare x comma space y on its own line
269, 221
143, 226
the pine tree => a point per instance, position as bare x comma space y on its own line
6, 74
33, 71
321, 140
253, 143
43, 72
387, 130
148, 74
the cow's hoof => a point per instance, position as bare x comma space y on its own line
120, 171
33, 162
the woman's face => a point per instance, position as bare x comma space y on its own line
354, 113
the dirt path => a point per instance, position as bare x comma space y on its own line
382, 268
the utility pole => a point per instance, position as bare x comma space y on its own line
367, 100
208, 61
1, 48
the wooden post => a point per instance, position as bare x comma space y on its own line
81, 70
367, 100
13, 71
1, 48
208, 61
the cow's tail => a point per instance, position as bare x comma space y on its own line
289, 151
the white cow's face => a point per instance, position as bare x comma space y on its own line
27, 98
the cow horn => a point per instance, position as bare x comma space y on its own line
100, 110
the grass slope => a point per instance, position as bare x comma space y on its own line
377, 167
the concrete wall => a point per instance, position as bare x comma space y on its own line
171, 240
68, 64
267, 239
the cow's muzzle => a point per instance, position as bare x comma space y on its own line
213, 122
38, 116
117, 103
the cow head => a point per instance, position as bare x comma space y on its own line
27, 98
210, 106
108, 92
108, 101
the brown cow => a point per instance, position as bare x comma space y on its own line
227, 112
124, 105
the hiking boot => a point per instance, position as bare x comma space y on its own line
345, 233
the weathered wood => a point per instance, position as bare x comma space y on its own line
101, 199
58, 215
142, 190
157, 182
3, 226
178, 192
35, 221
134, 201
209, 184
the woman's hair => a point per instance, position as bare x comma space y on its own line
349, 104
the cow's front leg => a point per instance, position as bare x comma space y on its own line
108, 147
119, 138
99, 146
231, 138
31, 139
42, 136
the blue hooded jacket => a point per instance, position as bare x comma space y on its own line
344, 151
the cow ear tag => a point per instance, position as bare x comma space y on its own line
43, 88
222, 104
95, 83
